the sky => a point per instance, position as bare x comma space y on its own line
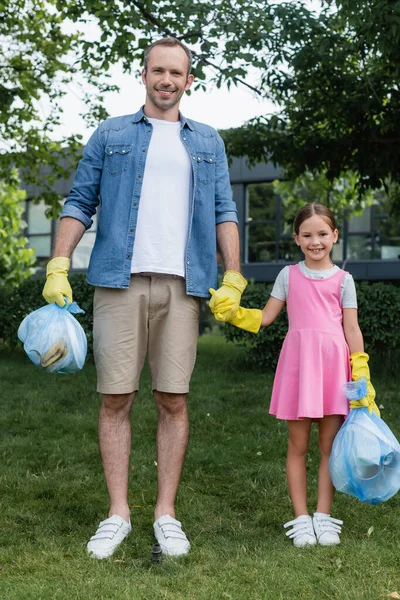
220, 108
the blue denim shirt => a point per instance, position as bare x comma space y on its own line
110, 174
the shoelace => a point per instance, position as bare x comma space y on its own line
300, 527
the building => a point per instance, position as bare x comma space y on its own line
368, 247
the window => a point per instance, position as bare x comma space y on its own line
41, 233
374, 234
267, 236
81, 255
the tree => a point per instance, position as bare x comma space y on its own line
16, 259
340, 96
37, 61
334, 76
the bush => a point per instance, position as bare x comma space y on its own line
378, 316
16, 303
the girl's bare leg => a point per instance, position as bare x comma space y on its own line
299, 439
328, 428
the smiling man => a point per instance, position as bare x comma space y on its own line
162, 184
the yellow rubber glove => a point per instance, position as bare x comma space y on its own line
360, 368
57, 286
248, 319
225, 301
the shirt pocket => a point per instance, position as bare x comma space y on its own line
117, 158
205, 166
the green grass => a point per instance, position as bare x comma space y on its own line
233, 499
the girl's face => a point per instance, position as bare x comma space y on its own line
316, 238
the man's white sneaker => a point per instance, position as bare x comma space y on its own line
302, 532
169, 534
108, 537
327, 529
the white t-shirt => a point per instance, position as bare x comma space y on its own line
163, 216
348, 294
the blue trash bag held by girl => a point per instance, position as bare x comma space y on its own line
365, 457
53, 339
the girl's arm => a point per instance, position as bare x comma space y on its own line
251, 319
271, 310
352, 331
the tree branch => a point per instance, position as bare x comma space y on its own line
149, 17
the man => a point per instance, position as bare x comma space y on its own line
163, 187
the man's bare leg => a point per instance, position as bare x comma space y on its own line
115, 447
172, 440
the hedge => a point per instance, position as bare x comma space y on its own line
378, 316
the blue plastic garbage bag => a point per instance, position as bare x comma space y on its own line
53, 339
365, 457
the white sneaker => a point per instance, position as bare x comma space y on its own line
169, 534
302, 532
327, 529
108, 537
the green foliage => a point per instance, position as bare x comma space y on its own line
378, 316
16, 259
17, 302
340, 195
339, 94
38, 60
333, 76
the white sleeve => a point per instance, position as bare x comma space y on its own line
281, 285
349, 294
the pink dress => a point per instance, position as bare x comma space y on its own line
314, 360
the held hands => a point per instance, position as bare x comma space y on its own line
57, 286
359, 368
225, 300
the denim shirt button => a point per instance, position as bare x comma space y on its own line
187, 262
128, 256
139, 177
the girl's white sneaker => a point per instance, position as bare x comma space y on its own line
327, 529
302, 532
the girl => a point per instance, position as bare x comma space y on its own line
322, 350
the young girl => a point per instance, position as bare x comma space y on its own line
323, 349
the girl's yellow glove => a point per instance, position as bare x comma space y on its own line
57, 286
225, 301
360, 368
248, 319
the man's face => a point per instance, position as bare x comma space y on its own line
166, 77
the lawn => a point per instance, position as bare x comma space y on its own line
233, 499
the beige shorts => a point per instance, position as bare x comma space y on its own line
154, 316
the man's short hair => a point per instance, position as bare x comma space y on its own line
169, 41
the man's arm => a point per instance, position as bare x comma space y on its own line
57, 288
228, 245
69, 235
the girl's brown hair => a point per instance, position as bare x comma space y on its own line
314, 208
